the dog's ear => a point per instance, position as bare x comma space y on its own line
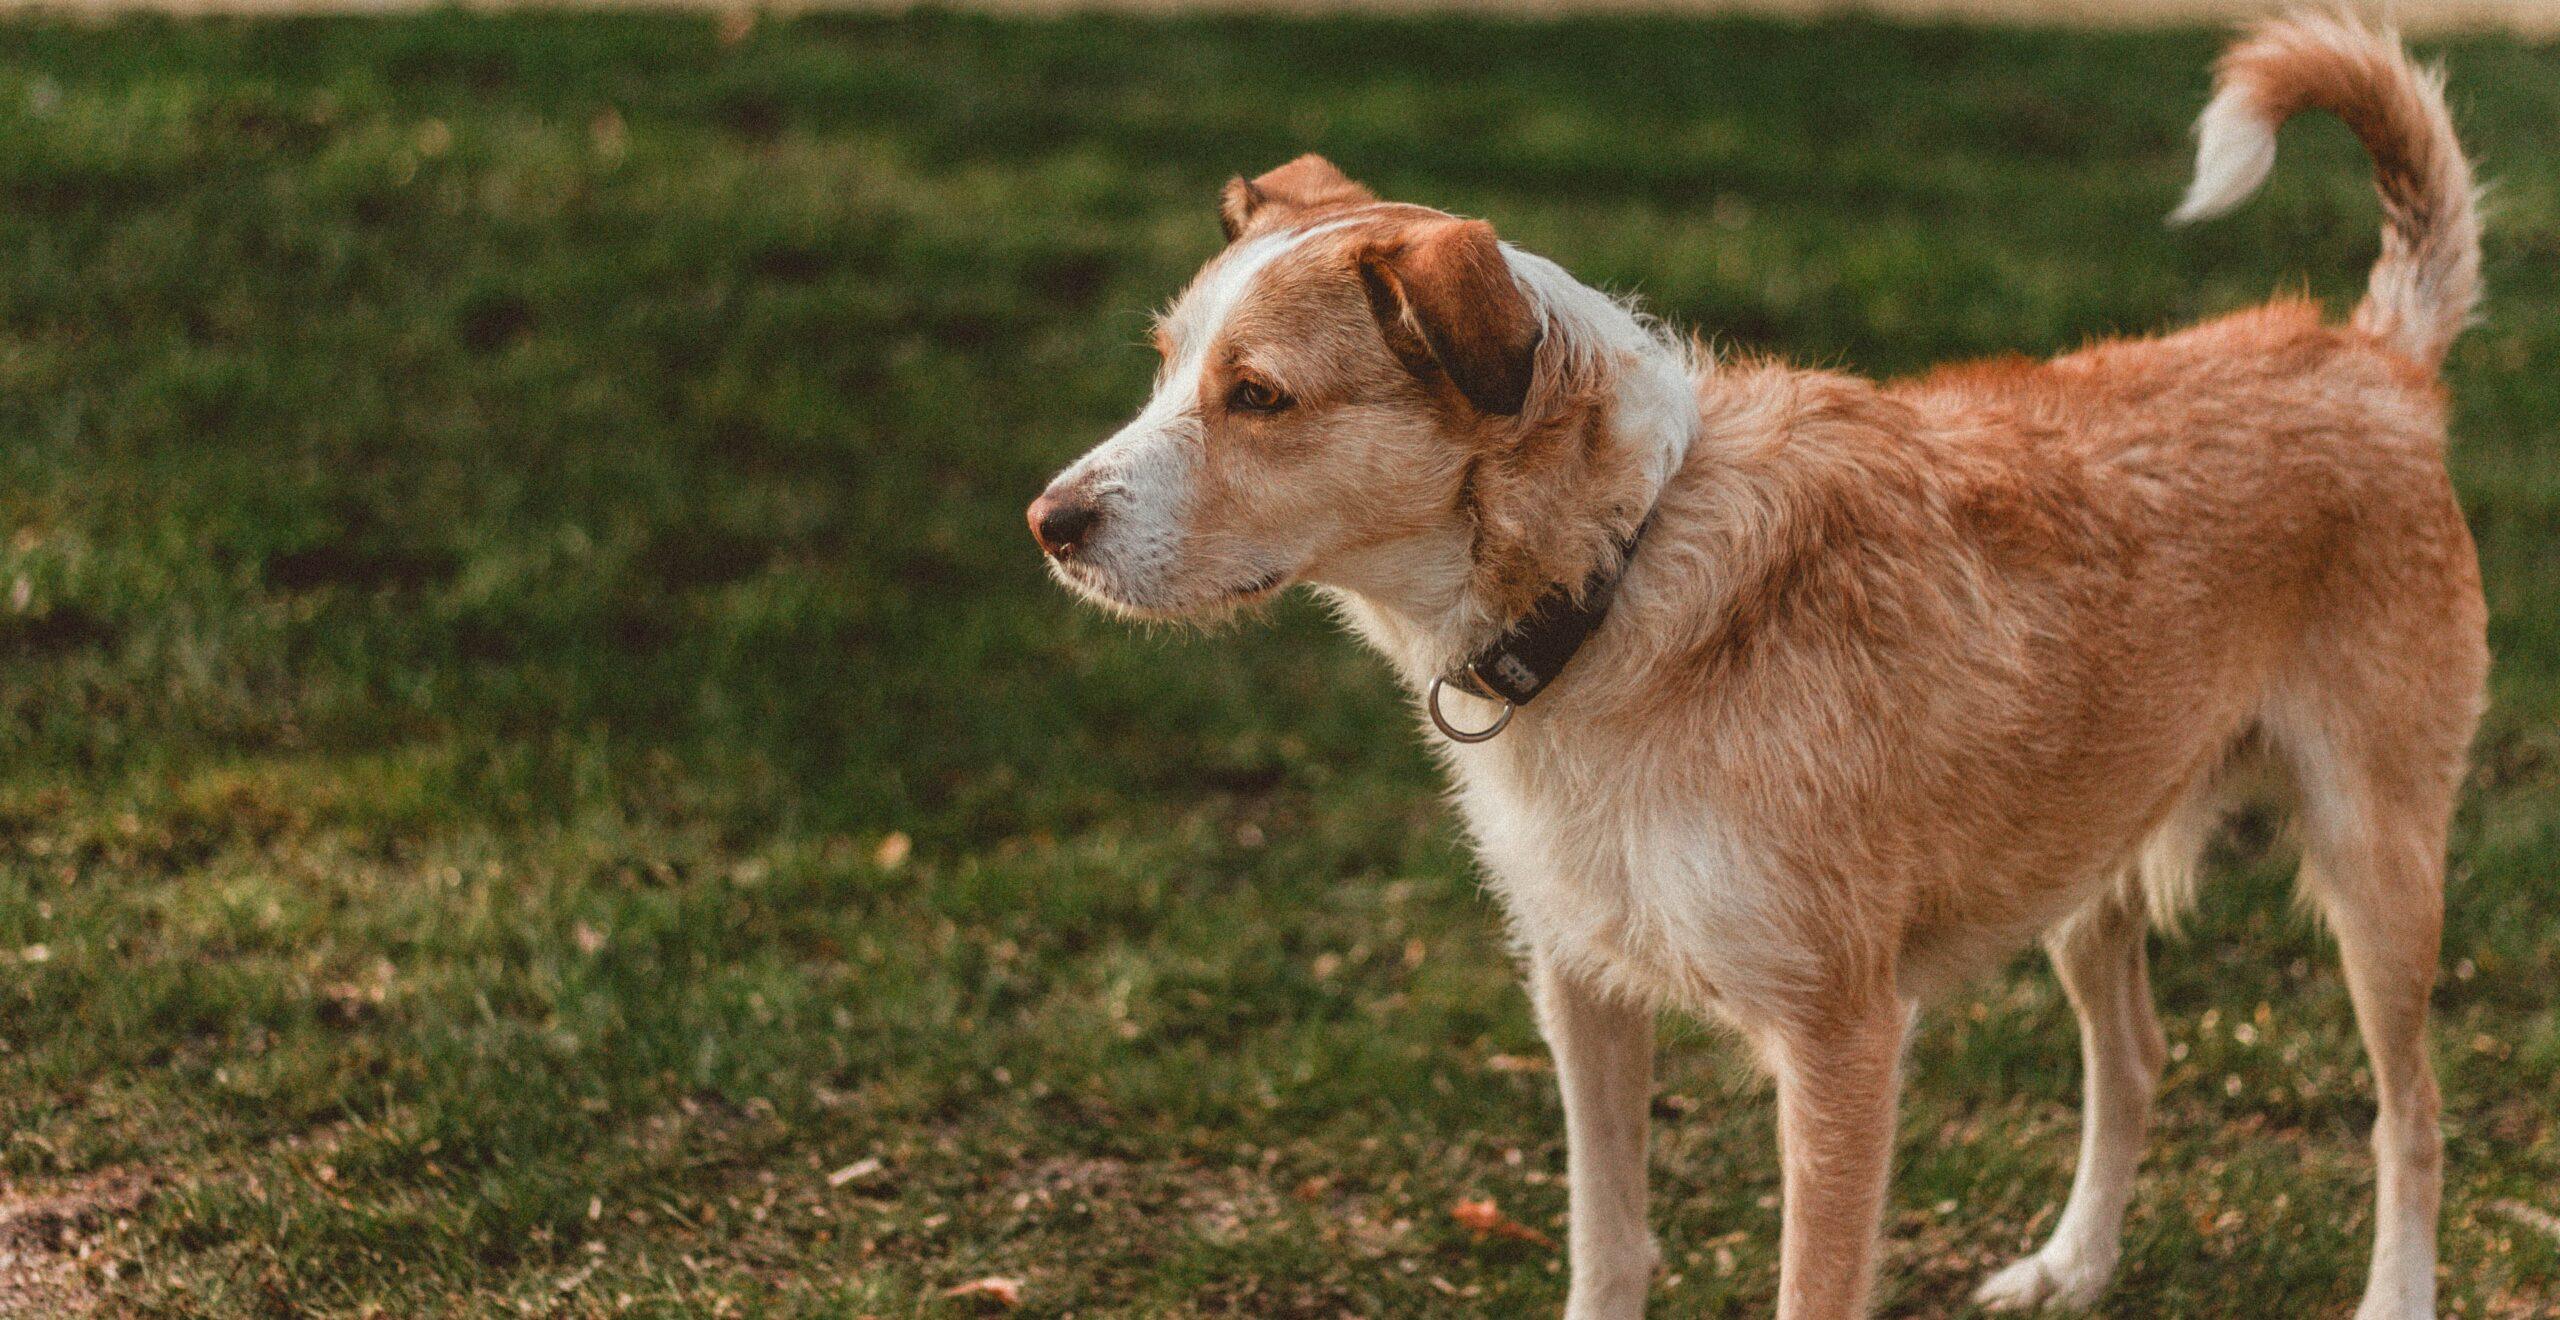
1448, 306
1303, 184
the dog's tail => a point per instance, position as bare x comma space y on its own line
2428, 280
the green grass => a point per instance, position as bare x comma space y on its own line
504, 522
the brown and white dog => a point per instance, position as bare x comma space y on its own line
1899, 677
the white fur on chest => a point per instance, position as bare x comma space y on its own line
1605, 859
1606, 868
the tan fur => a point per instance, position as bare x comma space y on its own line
1904, 675
1286, 195
2428, 280
1447, 307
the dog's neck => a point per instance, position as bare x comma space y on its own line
1429, 600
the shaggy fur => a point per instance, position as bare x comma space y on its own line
1904, 675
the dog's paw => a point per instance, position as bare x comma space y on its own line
2041, 1280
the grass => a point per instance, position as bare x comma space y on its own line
530, 733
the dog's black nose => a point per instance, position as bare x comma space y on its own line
1062, 520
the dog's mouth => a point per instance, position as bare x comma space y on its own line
1256, 589
1099, 587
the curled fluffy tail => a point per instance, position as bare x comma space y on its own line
2428, 280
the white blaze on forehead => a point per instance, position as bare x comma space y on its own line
1205, 308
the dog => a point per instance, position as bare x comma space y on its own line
1793, 699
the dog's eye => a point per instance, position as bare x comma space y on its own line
1256, 396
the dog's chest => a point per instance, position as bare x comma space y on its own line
1608, 871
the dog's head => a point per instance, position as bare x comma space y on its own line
1346, 377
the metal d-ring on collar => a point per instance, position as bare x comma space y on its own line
1453, 732
1516, 666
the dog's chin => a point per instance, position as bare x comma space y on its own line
1178, 605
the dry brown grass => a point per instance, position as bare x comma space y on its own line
50, 1240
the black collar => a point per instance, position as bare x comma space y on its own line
1518, 665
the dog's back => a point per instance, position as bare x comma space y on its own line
2292, 573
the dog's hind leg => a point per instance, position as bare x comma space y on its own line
1603, 1049
2099, 957
2375, 841
2388, 932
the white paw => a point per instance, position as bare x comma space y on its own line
2042, 1280
1615, 1290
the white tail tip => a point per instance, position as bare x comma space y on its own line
2235, 150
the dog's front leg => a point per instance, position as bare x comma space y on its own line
1603, 1049
1838, 1074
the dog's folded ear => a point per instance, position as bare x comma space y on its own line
1303, 184
1449, 307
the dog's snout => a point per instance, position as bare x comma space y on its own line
1063, 520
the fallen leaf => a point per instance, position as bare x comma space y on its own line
573, 1282
2534, 1217
610, 135
1006, 1293
893, 850
861, 1168
1485, 1217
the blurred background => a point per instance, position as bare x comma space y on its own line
2541, 16
540, 773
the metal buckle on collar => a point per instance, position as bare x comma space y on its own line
1456, 734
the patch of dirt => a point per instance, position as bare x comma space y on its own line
53, 1241
1222, 1205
